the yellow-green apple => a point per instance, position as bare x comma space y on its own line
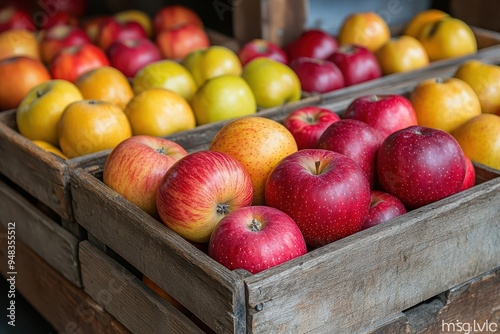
256, 238
38, 114
19, 75
59, 37
18, 42
402, 54
159, 112
131, 55
307, 124
416, 23
172, 16
223, 98
199, 190
470, 174
356, 140
325, 192
447, 38
73, 61
312, 43
110, 30
212, 62
273, 83
484, 79
367, 29
12, 17
444, 104
178, 42
317, 75
386, 113
136, 166
261, 48
358, 64
259, 144
383, 207
420, 165
138, 16
479, 138
166, 74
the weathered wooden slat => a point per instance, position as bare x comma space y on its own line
43, 235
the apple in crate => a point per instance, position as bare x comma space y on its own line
256, 238
199, 190
317, 75
110, 30
307, 124
261, 48
383, 207
12, 17
312, 43
178, 42
420, 165
470, 174
326, 193
131, 55
386, 113
358, 64
59, 37
172, 16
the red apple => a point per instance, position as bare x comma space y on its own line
256, 238
261, 48
59, 18
356, 140
312, 43
136, 166
358, 64
12, 17
111, 30
59, 37
129, 56
470, 174
386, 113
317, 75
73, 61
308, 123
177, 43
92, 24
420, 165
383, 207
174, 16
200, 189
326, 193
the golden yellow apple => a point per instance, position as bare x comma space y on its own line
49, 148
367, 29
402, 54
414, 26
18, 42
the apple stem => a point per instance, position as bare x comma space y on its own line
39, 93
222, 209
374, 98
161, 150
92, 102
316, 164
439, 80
255, 225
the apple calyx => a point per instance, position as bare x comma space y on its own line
39, 93
348, 49
161, 150
373, 98
439, 80
222, 209
256, 225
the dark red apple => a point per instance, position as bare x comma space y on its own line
129, 56
357, 63
326, 193
261, 48
110, 30
12, 17
470, 174
317, 75
420, 165
386, 113
383, 207
308, 123
312, 43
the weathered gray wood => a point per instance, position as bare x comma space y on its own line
207, 289
126, 298
44, 236
366, 277
395, 324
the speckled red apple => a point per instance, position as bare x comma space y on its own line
383, 207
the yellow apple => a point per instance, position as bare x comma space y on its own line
19, 42
212, 62
272, 82
222, 98
49, 148
484, 79
444, 104
259, 144
479, 138
39, 112
367, 29
414, 26
159, 112
402, 54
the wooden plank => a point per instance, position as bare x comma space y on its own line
375, 273
283, 21
126, 298
43, 235
395, 324
207, 289
67, 308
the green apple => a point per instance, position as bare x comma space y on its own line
222, 98
272, 82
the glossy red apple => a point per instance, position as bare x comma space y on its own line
326, 193
312, 43
356, 140
111, 30
12, 17
470, 174
59, 37
317, 75
173, 16
129, 56
261, 48
136, 166
177, 43
200, 189
256, 238
383, 207
59, 18
386, 113
308, 123
358, 64
420, 165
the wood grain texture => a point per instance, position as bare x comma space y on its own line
43, 235
67, 308
126, 298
